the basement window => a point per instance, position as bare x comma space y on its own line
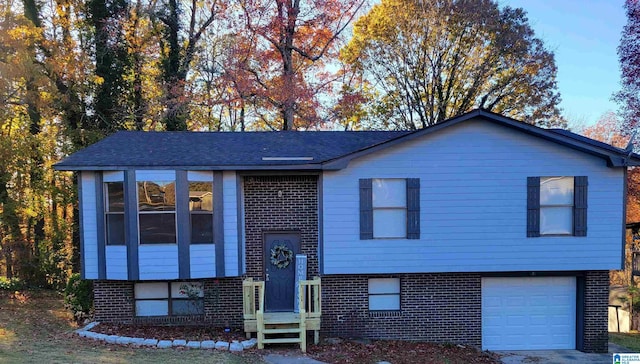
169, 299
384, 294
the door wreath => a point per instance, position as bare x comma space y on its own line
281, 256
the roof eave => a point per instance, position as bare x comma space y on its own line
287, 167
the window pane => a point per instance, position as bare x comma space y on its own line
152, 308
556, 220
187, 307
115, 196
384, 302
200, 196
186, 289
151, 290
390, 223
389, 192
556, 191
115, 229
384, 285
156, 196
201, 228
157, 228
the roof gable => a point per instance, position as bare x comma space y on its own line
615, 157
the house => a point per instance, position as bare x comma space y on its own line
481, 230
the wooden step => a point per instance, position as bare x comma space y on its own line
288, 340
282, 331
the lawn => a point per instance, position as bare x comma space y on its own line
630, 341
35, 328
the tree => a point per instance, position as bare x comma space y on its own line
179, 46
433, 60
291, 40
629, 56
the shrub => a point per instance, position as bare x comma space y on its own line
11, 284
78, 297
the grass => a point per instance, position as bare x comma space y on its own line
630, 341
35, 328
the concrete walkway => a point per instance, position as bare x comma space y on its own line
560, 356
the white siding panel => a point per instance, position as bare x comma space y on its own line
155, 175
89, 228
158, 261
473, 180
116, 257
203, 260
231, 236
200, 176
112, 176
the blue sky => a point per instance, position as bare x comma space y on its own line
584, 36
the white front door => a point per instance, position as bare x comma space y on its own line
528, 313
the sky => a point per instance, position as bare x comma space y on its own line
584, 35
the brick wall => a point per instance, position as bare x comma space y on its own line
113, 301
434, 307
595, 311
294, 209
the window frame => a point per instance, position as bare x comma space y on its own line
107, 212
385, 294
170, 299
202, 212
142, 212
403, 209
571, 205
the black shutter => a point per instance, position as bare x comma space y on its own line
533, 206
580, 184
366, 209
413, 208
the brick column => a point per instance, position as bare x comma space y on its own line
596, 335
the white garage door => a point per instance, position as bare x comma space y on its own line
529, 313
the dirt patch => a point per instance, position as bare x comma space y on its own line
399, 352
169, 332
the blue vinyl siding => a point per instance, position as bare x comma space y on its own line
116, 257
89, 228
230, 216
202, 260
473, 196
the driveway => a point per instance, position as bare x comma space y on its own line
560, 356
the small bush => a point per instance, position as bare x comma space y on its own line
78, 297
11, 284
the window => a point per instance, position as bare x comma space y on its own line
201, 212
384, 294
557, 205
169, 299
390, 208
114, 212
157, 212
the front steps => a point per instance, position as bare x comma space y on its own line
281, 328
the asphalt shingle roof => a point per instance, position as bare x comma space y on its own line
208, 149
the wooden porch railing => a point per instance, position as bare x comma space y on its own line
309, 299
252, 301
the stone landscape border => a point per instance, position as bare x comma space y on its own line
164, 344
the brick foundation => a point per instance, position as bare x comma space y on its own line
596, 334
434, 307
114, 302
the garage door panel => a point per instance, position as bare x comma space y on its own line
528, 313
